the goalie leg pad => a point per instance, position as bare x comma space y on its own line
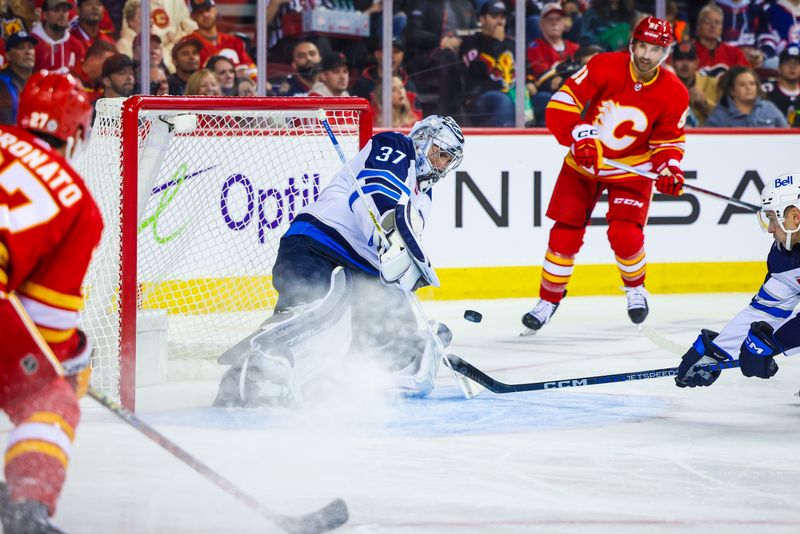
417, 378
271, 365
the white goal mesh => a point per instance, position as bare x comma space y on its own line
216, 182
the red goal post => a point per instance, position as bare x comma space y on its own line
195, 193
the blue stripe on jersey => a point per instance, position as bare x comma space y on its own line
310, 230
387, 175
766, 296
775, 312
375, 190
383, 182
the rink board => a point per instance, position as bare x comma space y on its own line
488, 231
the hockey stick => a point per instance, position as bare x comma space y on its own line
329, 517
495, 386
653, 176
466, 388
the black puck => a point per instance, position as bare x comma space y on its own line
472, 316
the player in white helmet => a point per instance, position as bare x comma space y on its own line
769, 325
341, 284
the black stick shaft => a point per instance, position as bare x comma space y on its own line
327, 518
495, 386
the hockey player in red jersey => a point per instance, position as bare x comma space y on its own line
623, 106
49, 227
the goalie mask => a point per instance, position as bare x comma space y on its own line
439, 145
779, 194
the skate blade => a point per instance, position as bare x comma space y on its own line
528, 332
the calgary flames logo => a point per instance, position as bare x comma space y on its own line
614, 120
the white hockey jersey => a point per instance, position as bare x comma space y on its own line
386, 170
774, 303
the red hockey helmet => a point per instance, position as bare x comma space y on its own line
54, 104
654, 31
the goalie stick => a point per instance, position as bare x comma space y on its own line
467, 389
329, 517
495, 386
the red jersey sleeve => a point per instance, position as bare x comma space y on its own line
564, 110
669, 137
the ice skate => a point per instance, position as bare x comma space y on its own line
637, 303
25, 517
539, 316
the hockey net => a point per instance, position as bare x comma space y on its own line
195, 195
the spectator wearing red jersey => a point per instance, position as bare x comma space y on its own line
545, 53
90, 71
55, 51
550, 49
216, 43
87, 31
714, 56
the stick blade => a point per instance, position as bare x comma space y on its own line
331, 516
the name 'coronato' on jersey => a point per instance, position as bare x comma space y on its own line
636, 122
386, 171
774, 303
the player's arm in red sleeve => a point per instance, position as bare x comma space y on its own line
667, 143
564, 110
564, 120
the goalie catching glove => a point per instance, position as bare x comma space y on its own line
402, 259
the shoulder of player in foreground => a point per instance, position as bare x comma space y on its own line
675, 84
396, 140
782, 261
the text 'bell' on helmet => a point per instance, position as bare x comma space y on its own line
55, 104
439, 145
654, 31
778, 194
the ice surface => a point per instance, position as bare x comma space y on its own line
633, 457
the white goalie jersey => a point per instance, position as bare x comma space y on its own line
338, 221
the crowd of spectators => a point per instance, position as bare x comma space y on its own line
740, 59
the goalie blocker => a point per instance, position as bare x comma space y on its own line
331, 250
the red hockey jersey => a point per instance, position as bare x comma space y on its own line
49, 227
641, 124
227, 45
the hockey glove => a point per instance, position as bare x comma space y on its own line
586, 148
758, 350
670, 178
703, 352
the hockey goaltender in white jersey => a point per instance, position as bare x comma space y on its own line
769, 325
342, 284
